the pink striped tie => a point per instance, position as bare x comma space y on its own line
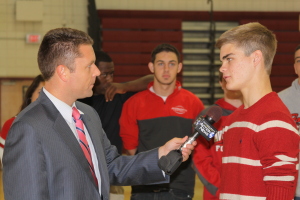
82, 140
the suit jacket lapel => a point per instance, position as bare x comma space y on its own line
64, 131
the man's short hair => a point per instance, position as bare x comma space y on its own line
251, 37
101, 56
164, 48
60, 47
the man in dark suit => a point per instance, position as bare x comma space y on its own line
56, 148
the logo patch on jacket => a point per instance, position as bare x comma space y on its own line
179, 110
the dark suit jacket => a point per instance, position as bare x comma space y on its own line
43, 160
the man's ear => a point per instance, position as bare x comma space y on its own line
151, 67
179, 67
257, 57
63, 72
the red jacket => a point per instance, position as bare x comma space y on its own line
147, 105
147, 121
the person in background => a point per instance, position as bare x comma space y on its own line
290, 97
31, 95
109, 97
207, 156
56, 148
152, 117
108, 100
260, 139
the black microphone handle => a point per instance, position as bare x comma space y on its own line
170, 162
203, 126
173, 159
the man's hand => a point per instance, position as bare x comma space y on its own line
175, 143
131, 86
113, 88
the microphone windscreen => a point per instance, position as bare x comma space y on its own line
215, 112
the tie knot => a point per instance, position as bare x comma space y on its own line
75, 113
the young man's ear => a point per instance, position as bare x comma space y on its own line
151, 67
257, 57
179, 67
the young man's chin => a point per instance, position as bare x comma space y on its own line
166, 82
231, 87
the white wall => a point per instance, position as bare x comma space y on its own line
219, 5
18, 59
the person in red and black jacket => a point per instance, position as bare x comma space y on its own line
153, 116
207, 155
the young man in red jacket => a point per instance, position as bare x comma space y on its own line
152, 116
207, 155
260, 139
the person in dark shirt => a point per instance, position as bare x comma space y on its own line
109, 97
108, 100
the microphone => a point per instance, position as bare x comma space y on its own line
203, 126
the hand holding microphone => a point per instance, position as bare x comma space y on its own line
203, 126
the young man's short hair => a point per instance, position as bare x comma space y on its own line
251, 37
164, 48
